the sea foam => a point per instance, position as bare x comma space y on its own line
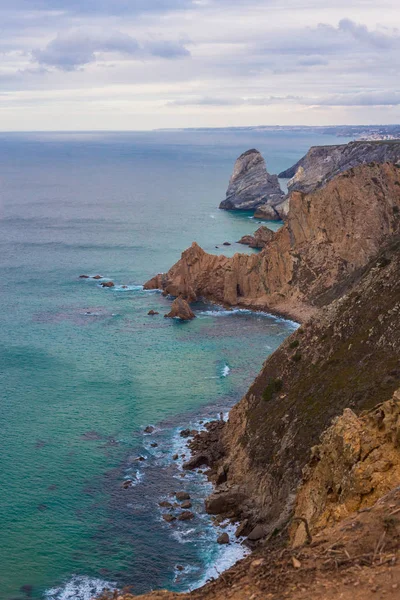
79, 587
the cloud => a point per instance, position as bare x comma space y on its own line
363, 99
109, 7
74, 49
360, 32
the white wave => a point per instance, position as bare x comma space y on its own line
213, 217
226, 556
79, 588
225, 371
128, 288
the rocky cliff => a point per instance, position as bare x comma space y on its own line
356, 462
260, 239
323, 163
347, 356
329, 234
251, 185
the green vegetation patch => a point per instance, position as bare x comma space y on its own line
273, 387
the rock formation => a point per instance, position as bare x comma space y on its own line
329, 234
347, 356
251, 185
180, 309
276, 212
356, 462
323, 163
261, 237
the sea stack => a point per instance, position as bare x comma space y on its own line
180, 309
251, 185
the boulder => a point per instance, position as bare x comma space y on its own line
227, 244
108, 284
257, 533
223, 501
223, 539
267, 212
260, 239
149, 429
165, 504
182, 496
251, 185
98, 277
186, 505
152, 313
83, 276
244, 528
175, 457
180, 309
185, 433
186, 515
196, 461
169, 518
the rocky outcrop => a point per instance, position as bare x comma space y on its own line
356, 462
260, 239
329, 235
180, 309
277, 212
347, 356
323, 163
251, 185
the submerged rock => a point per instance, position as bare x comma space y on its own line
152, 312
149, 429
251, 185
83, 276
180, 309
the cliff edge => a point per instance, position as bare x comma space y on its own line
329, 234
323, 163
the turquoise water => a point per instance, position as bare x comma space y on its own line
84, 369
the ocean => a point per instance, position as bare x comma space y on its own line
84, 369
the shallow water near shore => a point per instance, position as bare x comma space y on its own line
85, 369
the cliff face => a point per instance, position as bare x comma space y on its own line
356, 462
323, 163
348, 356
251, 185
329, 234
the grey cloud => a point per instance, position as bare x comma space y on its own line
363, 99
73, 49
110, 7
362, 34
221, 101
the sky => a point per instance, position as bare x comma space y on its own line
148, 64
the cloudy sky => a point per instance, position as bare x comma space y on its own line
144, 64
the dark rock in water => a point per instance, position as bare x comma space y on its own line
149, 429
169, 518
127, 484
323, 163
186, 516
185, 433
180, 309
182, 496
108, 284
98, 277
227, 244
26, 589
175, 457
179, 568
165, 504
124, 287
154, 445
256, 534
186, 505
153, 312
83, 276
197, 461
251, 185
260, 239
223, 539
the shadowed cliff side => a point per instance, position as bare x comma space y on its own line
348, 356
328, 235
